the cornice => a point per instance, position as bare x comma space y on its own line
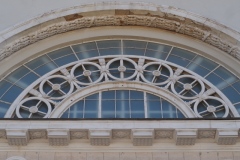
103, 132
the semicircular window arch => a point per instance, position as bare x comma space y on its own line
216, 75
122, 104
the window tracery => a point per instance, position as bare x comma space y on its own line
58, 74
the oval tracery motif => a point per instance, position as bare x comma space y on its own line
33, 106
86, 73
156, 73
56, 87
211, 107
187, 87
121, 68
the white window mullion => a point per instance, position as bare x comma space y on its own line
100, 105
145, 104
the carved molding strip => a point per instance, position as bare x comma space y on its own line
162, 19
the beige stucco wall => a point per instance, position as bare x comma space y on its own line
223, 11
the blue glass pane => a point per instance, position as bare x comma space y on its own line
137, 109
136, 95
93, 97
91, 109
17, 74
159, 47
85, 47
108, 109
168, 110
11, 94
226, 75
183, 53
110, 51
88, 54
27, 80
65, 60
3, 109
108, 95
134, 44
122, 94
65, 114
198, 69
154, 108
216, 80
76, 111
109, 44
156, 54
204, 62
38, 62
178, 60
133, 51
179, 114
122, 109
237, 86
46, 68
59, 53
152, 97
232, 94
4, 85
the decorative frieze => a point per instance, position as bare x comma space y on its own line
121, 133
206, 133
38, 134
164, 134
78, 134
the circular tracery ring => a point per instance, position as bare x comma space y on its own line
56, 87
156, 73
33, 107
87, 73
187, 87
121, 69
211, 107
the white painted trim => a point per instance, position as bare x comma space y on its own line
115, 85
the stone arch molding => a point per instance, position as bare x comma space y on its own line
119, 14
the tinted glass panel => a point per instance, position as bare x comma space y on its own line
4, 85
134, 44
60, 53
85, 47
12, 94
109, 44
17, 74
3, 109
27, 80
38, 62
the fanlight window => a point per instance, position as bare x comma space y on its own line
47, 80
122, 104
